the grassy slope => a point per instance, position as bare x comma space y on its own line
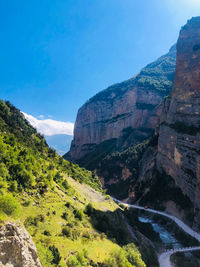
97, 245
47, 200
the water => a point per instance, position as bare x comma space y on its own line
166, 237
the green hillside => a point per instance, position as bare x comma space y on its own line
63, 207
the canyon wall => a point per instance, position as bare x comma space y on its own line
127, 112
179, 137
163, 171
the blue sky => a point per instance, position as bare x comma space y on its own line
55, 54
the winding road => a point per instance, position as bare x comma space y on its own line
164, 258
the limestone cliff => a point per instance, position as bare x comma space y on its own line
179, 137
125, 113
16, 247
169, 170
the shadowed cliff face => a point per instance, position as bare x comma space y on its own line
127, 112
179, 141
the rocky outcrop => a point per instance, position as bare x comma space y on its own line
179, 138
16, 247
127, 112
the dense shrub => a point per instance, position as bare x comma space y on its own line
128, 256
89, 209
26, 160
65, 215
9, 205
56, 255
47, 233
79, 260
31, 220
78, 214
66, 231
68, 204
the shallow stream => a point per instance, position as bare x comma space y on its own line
167, 238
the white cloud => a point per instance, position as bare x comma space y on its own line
41, 117
50, 127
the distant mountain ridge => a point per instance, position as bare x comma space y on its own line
59, 142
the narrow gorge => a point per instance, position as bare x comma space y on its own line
142, 137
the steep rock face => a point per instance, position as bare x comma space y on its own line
16, 247
179, 139
128, 111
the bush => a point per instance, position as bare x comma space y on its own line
67, 204
117, 259
78, 214
13, 186
66, 231
56, 255
128, 256
9, 205
34, 220
65, 215
27, 203
31, 221
80, 260
47, 233
89, 209
71, 233
73, 262
41, 218
65, 184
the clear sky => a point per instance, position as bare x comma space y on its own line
55, 54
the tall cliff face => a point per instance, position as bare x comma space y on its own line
179, 138
125, 113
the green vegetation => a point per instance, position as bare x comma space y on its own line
51, 198
56, 255
26, 162
114, 164
9, 205
128, 256
158, 76
92, 159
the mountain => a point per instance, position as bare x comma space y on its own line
163, 171
125, 113
59, 142
118, 118
62, 207
142, 137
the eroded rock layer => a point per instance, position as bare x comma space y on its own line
179, 138
126, 113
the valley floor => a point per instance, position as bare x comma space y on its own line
164, 258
